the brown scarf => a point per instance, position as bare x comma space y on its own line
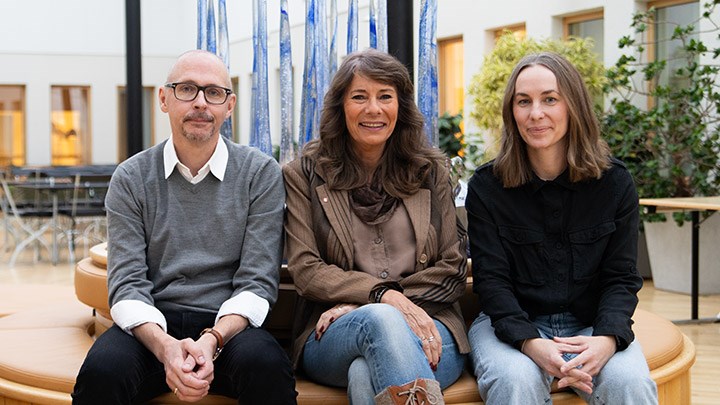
371, 203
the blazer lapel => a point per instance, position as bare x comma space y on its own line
418, 208
336, 206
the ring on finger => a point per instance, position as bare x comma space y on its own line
431, 338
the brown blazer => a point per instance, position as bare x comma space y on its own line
325, 279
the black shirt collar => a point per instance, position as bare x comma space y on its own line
563, 180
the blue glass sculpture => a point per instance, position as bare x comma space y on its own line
260, 131
223, 43
332, 56
287, 146
373, 25
223, 49
427, 69
352, 32
321, 56
378, 25
309, 90
202, 24
211, 44
381, 25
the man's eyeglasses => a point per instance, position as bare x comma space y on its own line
188, 92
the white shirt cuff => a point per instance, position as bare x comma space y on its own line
247, 304
127, 314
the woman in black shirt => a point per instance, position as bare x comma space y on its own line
553, 224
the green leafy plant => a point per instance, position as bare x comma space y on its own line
465, 151
667, 134
450, 134
487, 87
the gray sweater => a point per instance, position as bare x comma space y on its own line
184, 247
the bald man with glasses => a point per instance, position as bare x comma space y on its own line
195, 244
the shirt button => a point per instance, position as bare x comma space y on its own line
556, 214
423, 258
559, 245
378, 241
561, 277
384, 274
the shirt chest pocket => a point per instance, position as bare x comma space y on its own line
588, 248
524, 249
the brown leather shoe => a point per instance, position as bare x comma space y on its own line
421, 391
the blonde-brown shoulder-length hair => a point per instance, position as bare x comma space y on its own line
407, 159
588, 155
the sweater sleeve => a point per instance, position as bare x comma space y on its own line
257, 278
619, 279
129, 288
492, 280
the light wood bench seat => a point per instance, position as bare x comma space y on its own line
42, 350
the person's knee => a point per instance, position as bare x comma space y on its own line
258, 351
626, 387
512, 388
512, 374
380, 319
99, 378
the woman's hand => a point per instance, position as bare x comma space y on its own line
420, 322
547, 354
596, 353
330, 316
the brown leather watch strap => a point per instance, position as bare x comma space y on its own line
218, 337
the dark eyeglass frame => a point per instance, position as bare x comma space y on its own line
227, 91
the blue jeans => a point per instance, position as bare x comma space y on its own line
507, 376
372, 348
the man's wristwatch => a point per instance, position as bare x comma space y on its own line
219, 339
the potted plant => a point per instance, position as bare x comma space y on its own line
663, 123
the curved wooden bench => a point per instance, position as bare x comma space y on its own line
43, 349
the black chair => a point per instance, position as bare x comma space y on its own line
27, 220
86, 211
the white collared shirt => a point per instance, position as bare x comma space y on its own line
128, 314
215, 165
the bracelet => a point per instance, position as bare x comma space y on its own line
379, 290
379, 294
219, 339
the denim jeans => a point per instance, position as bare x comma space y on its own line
507, 376
120, 370
372, 348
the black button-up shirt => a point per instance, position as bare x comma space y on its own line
555, 246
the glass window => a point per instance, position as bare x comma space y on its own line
451, 75
12, 125
517, 30
149, 101
70, 120
667, 18
587, 26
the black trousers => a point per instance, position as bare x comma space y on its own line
120, 370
